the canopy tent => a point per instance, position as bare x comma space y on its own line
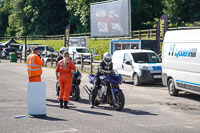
10, 42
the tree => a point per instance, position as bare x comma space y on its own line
182, 12
4, 12
51, 17
145, 12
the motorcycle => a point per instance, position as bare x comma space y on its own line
75, 90
110, 91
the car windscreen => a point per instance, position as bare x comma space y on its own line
146, 57
50, 49
82, 50
41, 48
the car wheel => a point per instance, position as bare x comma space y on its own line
171, 88
136, 80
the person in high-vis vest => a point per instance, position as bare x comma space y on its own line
34, 64
64, 74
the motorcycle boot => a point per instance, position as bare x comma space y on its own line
61, 103
65, 105
94, 94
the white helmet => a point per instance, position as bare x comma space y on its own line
107, 58
63, 49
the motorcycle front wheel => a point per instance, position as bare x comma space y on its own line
119, 102
75, 93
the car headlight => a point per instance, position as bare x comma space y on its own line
144, 68
78, 56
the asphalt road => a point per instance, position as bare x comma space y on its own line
148, 108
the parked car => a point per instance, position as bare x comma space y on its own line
140, 66
77, 51
44, 50
6, 51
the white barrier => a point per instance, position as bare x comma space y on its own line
37, 98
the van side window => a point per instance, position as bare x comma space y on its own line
126, 58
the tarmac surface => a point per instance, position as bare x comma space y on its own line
148, 108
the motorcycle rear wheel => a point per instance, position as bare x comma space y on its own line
120, 101
75, 93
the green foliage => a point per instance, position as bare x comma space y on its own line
182, 12
100, 46
50, 17
144, 12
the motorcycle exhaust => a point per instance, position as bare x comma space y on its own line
87, 89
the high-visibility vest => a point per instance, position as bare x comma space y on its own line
33, 68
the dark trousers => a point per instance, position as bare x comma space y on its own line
95, 90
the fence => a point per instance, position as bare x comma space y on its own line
137, 34
87, 65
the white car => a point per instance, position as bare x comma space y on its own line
78, 51
141, 66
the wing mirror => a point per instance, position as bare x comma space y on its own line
128, 62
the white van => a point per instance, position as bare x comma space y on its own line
181, 61
141, 66
78, 51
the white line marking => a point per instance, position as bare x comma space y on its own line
171, 124
63, 131
188, 127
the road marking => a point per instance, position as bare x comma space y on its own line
63, 131
188, 127
171, 124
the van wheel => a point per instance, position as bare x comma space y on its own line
136, 80
172, 89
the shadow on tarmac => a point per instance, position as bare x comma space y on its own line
128, 111
190, 96
48, 118
91, 112
146, 84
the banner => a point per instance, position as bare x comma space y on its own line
110, 18
67, 31
160, 32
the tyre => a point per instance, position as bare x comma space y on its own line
136, 80
57, 89
120, 101
171, 88
75, 92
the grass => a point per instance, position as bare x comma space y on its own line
100, 46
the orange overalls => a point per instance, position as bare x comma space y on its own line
65, 79
34, 64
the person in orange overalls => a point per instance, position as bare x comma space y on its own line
34, 64
65, 73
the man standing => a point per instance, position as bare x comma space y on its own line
34, 64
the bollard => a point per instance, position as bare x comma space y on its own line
37, 99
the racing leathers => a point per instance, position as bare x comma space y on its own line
103, 69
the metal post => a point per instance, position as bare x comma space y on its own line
73, 57
25, 52
81, 62
20, 57
91, 60
51, 59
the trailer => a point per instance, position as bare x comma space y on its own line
132, 44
